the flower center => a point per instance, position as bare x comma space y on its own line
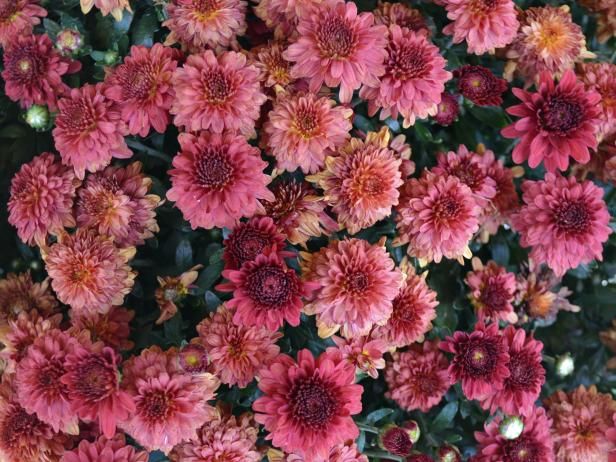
479, 357
335, 38
468, 173
551, 36
156, 405
137, 81
248, 244
270, 285
217, 87
213, 170
18, 425
523, 373
287, 195
522, 449
357, 282
407, 62
560, 114
306, 122
446, 208
481, 7
313, 403
95, 381
205, 9
494, 296
78, 117
8, 10
49, 377
572, 217
405, 309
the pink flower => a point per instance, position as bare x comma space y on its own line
307, 405
601, 77
399, 13
105, 450
141, 87
338, 46
484, 24
413, 81
89, 130
41, 202
283, 15
364, 353
217, 179
565, 222
114, 7
492, 290
557, 122
303, 128
479, 85
112, 328
18, 17
217, 93
19, 293
275, 70
447, 110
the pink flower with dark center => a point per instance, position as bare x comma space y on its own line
492, 291
18, 17
105, 450
365, 353
282, 16
447, 110
479, 85
400, 14
396, 441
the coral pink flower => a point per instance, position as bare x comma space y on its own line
307, 406
447, 110
141, 87
484, 24
565, 222
399, 13
492, 290
479, 85
18, 17
303, 128
105, 450
418, 378
217, 93
217, 179
89, 130
88, 272
111, 328
193, 358
413, 81
113, 7
343, 452
265, 292
42, 196
364, 353
557, 122
19, 293
534, 444
358, 285
237, 353
521, 389
116, 203
437, 217
283, 15
338, 46
480, 360
601, 77
199, 24
275, 70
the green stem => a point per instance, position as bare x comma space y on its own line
368, 428
138, 145
382, 455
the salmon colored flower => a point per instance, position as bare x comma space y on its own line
601, 77
18, 17
275, 70
364, 353
105, 450
400, 14
112, 328
19, 294
492, 291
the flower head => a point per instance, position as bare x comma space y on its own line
104, 449
172, 289
193, 358
480, 86
19, 294
113, 7
601, 77
18, 17
492, 290
605, 11
395, 440
447, 110
111, 328
364, 353
275, 70
400, 14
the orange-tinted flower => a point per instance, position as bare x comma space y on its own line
275, 70
172, 289
19, 293
114, 7
112, 328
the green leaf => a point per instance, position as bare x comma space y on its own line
184, 254
144, 29
378, 415
444, 419
13, 131
492, 116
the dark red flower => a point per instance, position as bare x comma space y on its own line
479, 85
447, 110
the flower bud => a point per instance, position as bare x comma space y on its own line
564, 365
37, 117
449, 453
69, 41
413, 429
193, 358
396, 440
511, 427
110, 58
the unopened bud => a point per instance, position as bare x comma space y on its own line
396, 440
193, 358
449, 453
69, 41
564, 365
511, 427
110, 58
37, 117
413, 429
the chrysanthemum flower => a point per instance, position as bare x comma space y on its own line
113, 7
565, 222
343, 452
557, 122
307, 406
358, 285
150, 363
199, 24
217, 179
338, 46
484, 24
19, 293
413, 312
298, 211
265, 292
533, 445
581, 419
116, 203
447, 110
400, 14
141, 86
413, 81
237, 353
492, 290
172, 289
548, 40
479, 85
437, 217
88, 272
217, 93
521, 389
606, 18
601, 77
418, 378
18, 17
480, 360
365, 353
275, 70
193, 358
105, 450
303, 128
89, 130
112, 328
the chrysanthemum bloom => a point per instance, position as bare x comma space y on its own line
565, 222
92, 380
88, 272
601, 77
89, 130
237, 353
307, 406
19, 293
225, 438
141, 86
533, 445
521, 389
38, 385
437, 217
358, 285
112, 328
172, 289
365, 353
275, 70
606, 19
402, 15
69, 41
447, 110
265, 292
105, 450
480, 360
413, 81
298, 211
338, 46
343, 452
193, 358
303, 128
217, 93
413, 313
581, 419
479, 85
484, 24
418, 378
113, 7
18, 17
492, 290
557, 122
548, 40
150, 363
217, 179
